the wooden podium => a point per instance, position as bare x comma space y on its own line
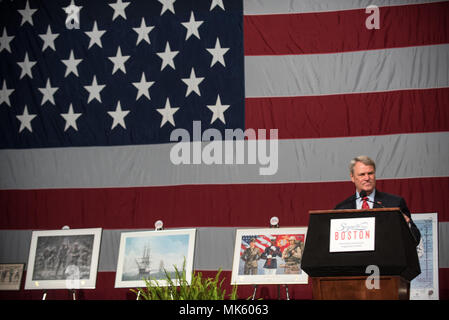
354, 288
342, 275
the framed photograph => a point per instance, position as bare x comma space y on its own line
11, 276
150, 254
269, 256
425, 285
63, 259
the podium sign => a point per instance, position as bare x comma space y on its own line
353, 234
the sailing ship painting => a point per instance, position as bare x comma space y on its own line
151, 256
144, 264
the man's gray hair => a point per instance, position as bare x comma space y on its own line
367, 161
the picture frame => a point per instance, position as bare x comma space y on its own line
425, 285
148, 254
280, 253
63, 259
11, 276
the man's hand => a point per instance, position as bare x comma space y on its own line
407, 219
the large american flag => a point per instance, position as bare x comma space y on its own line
86, 114
111, 76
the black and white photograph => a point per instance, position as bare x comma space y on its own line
11, 276
63, 259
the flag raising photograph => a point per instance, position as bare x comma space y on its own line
216, 114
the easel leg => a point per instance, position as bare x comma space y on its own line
254, 292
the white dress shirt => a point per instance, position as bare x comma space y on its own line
370, 201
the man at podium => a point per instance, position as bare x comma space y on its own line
362, 171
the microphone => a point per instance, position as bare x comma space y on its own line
364, 195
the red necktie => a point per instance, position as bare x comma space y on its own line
365, 204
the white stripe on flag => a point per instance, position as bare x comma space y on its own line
301, 160
261, 7
421, 67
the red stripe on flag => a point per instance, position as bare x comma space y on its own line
327, 32
249, 205
408, 111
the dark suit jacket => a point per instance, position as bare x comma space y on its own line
384, 200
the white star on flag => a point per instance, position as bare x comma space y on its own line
143, 32
48, 93
70, 118
217, 53
218, 110
143, 87
119, 116
71, 64
25, 120
5, 41
94, 90
119, 9
167, 5
95, 36
5, 93
49, 39
119, 61
167, 113
192, 26
167, 57
26, 66
215, 3
193, 83
72, 9
27, 14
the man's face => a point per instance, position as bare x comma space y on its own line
364, 177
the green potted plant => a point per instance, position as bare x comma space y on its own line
200, 288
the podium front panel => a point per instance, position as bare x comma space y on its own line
394, 252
